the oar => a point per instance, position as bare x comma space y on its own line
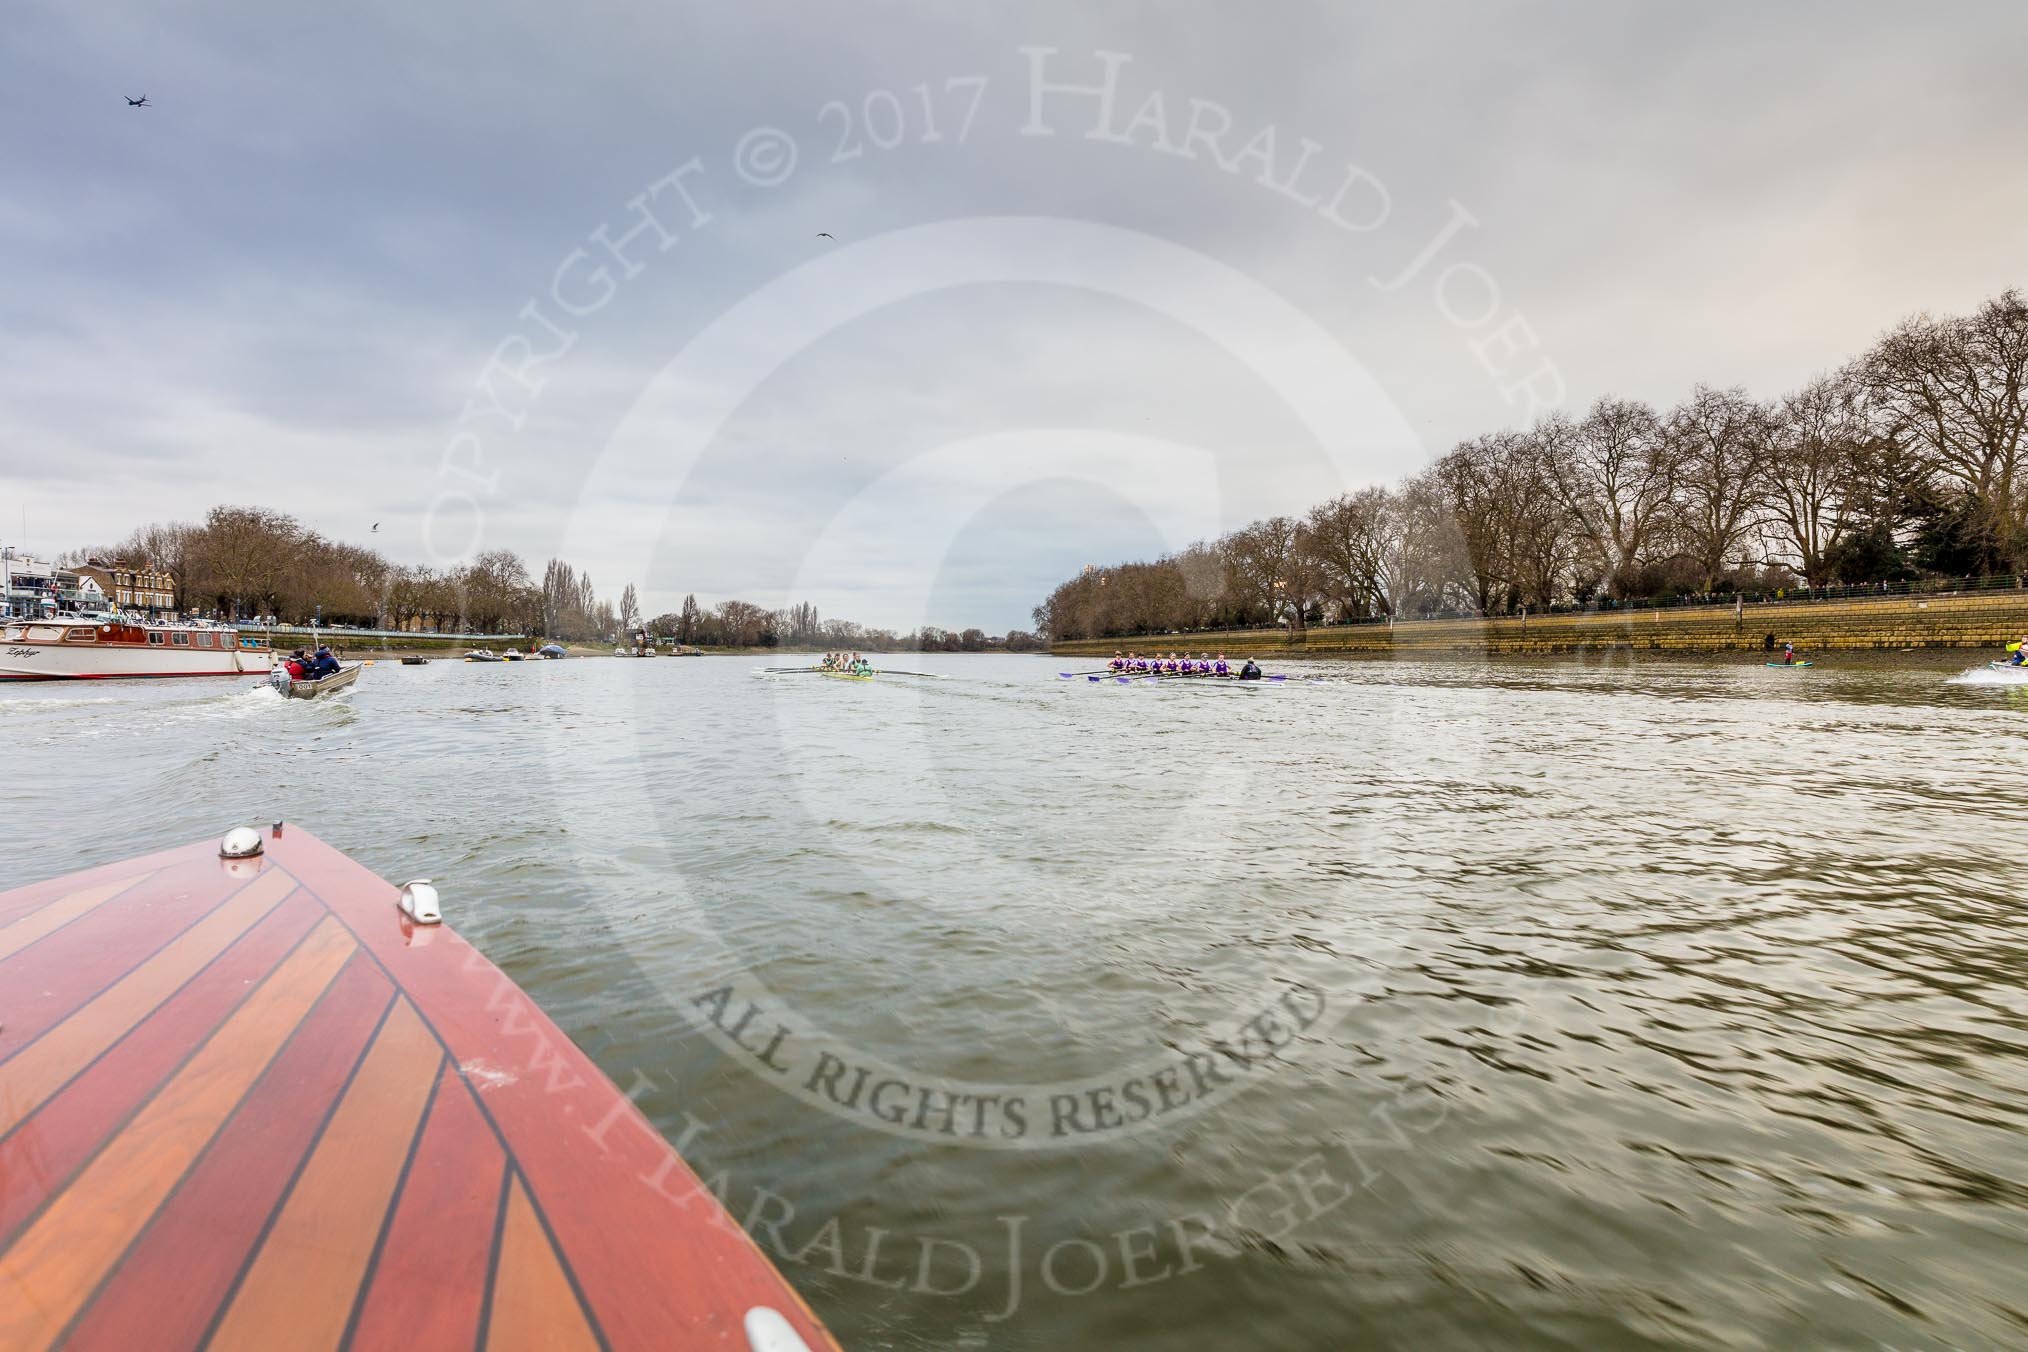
1073, 675
926, 675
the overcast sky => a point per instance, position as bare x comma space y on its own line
346, 263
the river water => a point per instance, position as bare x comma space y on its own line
1522, 1004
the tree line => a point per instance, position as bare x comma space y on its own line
739, 624
1904, 463
243, 562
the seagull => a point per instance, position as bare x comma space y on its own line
141, 102
376, 528
826, 234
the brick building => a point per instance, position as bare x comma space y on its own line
132, 586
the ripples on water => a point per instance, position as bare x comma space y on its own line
1671, 1004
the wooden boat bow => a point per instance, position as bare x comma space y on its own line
247, 1103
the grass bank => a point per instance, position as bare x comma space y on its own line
1976, 620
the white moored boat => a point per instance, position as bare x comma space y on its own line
85, 647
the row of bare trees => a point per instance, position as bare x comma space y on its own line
740, 624
1906, 462
242, 562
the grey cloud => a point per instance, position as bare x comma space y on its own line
331, 216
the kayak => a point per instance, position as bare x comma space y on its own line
255, 1096
1780, 666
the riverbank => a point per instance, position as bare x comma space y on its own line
454, 649
1982, 620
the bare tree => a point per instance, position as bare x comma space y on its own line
1822, 439
1718, 445
1542, 543
743, 624
496, 592
799, 623
1482, 487
1272, 569
241, 559
1612, 473
1344, 542
1957, 388
1420, 549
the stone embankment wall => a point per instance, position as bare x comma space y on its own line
1968, 620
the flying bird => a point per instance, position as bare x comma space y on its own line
376, 528
141, 102
825, 234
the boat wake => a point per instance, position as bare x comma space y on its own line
1991, 676
36, 705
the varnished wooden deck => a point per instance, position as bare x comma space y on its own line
243, 1104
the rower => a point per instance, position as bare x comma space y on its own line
1249, 672
1119, 663
1219, 668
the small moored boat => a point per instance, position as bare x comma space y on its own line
482, 655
